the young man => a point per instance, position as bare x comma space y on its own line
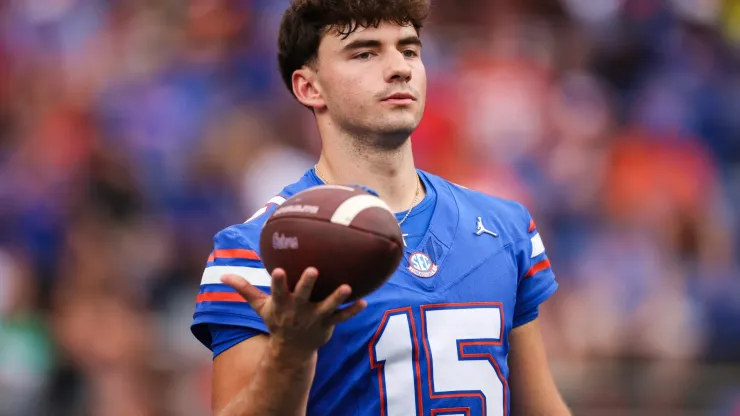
454, 331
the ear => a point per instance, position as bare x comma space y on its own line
306, 88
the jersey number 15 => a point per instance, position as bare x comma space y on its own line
447, 331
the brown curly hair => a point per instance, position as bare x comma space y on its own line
306, 21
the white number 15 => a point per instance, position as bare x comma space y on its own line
446, 331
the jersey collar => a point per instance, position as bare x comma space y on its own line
446, 212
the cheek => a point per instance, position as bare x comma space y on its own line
351, 94
420, 78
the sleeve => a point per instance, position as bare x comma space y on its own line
218, 304
224, 337
536, 279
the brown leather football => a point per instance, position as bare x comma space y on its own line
348, 234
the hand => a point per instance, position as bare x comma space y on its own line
296, 324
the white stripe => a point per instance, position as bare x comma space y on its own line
352, 207
257, 214
538, 247
278, 200
256, 276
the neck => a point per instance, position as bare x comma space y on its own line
391, 173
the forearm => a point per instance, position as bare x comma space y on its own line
279, 387
533, 389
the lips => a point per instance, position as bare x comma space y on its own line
400, 96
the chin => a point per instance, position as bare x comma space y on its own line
387, 131
391, 137
392, 141
398, 123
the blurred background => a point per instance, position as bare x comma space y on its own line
131, 131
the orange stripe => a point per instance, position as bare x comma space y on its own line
211, 257
236, 253
532, 225
544, 264
219, 297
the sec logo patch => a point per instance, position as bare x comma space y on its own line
422, 265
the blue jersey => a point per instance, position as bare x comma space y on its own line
434, 339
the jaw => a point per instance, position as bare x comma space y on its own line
392, 141
387, 135
373, 127
394, 126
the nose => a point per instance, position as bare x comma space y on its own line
398, 68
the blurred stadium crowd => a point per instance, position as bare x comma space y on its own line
133, 130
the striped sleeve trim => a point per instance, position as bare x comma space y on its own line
538, 267
254, 275
219, 297
538, 247
234, 253
212, 280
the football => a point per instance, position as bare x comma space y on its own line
348, 234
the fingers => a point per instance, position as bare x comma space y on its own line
333, 301
250, 293
279, 287
349, 312
327, 310
305, 286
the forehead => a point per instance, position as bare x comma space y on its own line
386, 32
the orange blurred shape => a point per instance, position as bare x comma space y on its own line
215, 20
679, 172
65, 138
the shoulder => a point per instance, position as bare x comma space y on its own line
513, 215
246, 235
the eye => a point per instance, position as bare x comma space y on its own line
410, 53
364, 55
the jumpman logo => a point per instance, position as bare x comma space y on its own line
482, 229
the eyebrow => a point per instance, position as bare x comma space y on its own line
372, 43
410, 40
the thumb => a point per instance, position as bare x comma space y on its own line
254, 296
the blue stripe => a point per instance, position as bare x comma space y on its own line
220, 287
539, 258
235, 262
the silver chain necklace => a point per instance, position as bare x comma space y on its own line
413, 203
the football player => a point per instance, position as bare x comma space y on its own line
454, 331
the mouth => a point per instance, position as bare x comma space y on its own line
400, 98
